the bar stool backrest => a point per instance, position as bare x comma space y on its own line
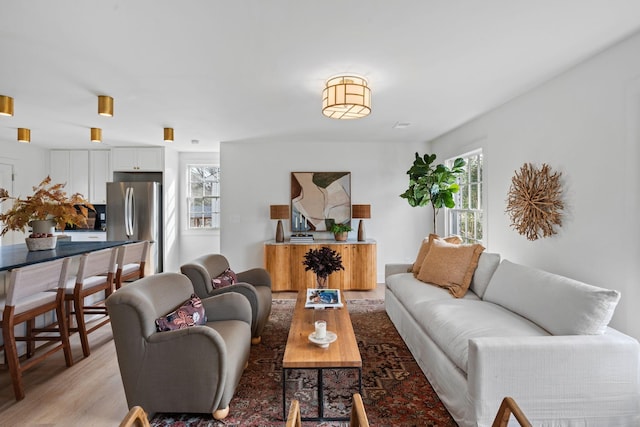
36, 278
97, 263
133, 253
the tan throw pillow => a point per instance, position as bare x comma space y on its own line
424, 249
450, 266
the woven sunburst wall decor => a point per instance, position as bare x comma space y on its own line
534, 201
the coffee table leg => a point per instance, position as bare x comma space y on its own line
284, 395
320, 395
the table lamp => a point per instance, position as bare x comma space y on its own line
279, 212
361, 211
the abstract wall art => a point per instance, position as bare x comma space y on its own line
318, 199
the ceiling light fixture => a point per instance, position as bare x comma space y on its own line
24, 135
105, 105
168, 134
6, 105
346, 97
96, 135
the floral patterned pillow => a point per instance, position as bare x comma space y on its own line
226, 278
190, 313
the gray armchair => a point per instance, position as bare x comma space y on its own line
255, 284
195, 369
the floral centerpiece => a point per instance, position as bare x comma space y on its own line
322, 262
49, 202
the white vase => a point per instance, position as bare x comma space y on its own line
42, 226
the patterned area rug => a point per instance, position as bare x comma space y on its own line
394, 389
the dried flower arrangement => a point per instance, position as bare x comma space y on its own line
49, 201
323, 261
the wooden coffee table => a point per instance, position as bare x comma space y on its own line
300, 353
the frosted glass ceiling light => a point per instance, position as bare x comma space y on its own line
346, 97
6, 105
168, 134
105, 105
24, 135
96, 135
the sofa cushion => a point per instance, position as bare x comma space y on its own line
426, 245
190, 313
487, 264
452, 323
560, 305
410, 292
450, 266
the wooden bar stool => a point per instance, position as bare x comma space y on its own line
29, 296
132, 259
95, 274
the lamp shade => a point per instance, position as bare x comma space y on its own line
168, 134
96, 135
361, 211
346, 97
24, 135
6, 105
279, 211
105, 105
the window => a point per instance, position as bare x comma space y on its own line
467, 218
204, 196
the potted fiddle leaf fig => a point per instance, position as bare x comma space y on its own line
433, 184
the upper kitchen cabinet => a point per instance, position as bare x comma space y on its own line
137, 159
99, 175
71, 167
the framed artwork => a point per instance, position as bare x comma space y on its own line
319, 199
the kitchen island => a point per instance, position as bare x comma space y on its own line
13, 256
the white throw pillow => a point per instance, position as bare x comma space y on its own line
560, 305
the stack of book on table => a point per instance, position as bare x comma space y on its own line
323, 298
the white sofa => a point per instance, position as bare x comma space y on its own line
538, 337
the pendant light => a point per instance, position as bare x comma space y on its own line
105, 105
168, 134
24, 135
96, 135
6, 105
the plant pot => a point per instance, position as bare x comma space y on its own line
322, 282
41, 243
42, 226
342, 236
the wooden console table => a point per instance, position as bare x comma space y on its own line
283, 261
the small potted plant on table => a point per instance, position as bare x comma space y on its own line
48, 207
340, 231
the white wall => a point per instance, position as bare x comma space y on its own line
30, 167
584, 124
194, 243
255, 175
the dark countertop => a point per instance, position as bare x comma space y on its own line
13, 256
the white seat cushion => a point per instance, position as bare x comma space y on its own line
451, 324
30, 302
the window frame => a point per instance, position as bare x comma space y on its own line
214, 197
480, 194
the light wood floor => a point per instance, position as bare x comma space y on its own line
89, 393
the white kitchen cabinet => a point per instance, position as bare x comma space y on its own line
137, 159
71, 167
99, 175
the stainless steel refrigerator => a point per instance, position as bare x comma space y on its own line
134, 212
